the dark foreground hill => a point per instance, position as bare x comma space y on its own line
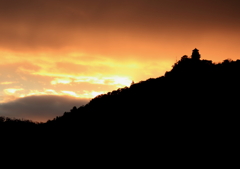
195, 105
194, 93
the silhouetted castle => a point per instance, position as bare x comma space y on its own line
195, 54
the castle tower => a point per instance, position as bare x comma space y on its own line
195, 54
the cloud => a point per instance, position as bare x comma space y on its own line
82, 48
40, 108
114, 28
137, 30
61, 80
11, 91
6, 83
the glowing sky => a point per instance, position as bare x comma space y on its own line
68, 51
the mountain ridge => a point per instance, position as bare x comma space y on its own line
195, 88
193, 109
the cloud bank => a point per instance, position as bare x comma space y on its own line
40, 108
110, 27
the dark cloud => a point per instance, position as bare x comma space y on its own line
40, 108
105, 25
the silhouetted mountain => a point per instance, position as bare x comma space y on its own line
192, 92
195, 101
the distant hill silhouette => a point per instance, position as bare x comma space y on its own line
195, 101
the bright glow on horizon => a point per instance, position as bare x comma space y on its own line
11, 91
70, 50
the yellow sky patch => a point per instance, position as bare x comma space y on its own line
6, 83
60, 80
11, 91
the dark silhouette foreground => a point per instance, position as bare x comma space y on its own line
191, 107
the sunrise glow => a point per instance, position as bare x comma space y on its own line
80, 49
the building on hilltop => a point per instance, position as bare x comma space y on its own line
195, 54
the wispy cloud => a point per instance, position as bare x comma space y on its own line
12, 90
61, 80
6, 83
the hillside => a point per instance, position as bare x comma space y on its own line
192, 108
194, 90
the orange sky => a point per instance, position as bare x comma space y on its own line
77, 49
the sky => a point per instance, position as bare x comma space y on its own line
56, 54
